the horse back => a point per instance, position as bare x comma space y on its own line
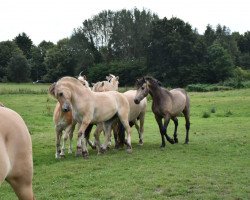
179, 100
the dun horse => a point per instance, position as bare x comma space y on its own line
137, 112
64, 122
166, 105
16, 165
92, 107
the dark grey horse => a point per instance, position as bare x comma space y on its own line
166, 105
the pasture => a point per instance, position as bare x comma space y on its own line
214, 165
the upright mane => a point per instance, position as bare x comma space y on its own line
152, 81
70, 79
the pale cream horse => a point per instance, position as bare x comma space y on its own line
102, 86
137, 112
16, 165
110, 85
64, 122
90, 108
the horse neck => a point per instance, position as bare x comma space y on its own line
157, 92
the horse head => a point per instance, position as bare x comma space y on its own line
62, 91
142, 90
83, 80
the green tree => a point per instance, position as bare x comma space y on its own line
172, 54
220, 64
7, 50
24, 43
18, 69
59, 61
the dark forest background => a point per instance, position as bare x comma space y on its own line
130, 44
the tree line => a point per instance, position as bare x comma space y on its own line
130, 44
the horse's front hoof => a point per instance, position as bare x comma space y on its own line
140, 142
103, 150
176, 140
129, 150
171, 141
78, 151
57, 156
186, 142
85, 154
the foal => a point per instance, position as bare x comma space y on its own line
166, 105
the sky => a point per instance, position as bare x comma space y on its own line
52, 20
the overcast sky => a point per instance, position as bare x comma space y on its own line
52, 20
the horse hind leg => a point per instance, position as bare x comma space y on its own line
175, 129
141, 130
125, 123
186, 114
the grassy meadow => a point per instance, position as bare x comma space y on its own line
214, 165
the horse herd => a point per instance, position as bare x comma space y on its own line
102, 106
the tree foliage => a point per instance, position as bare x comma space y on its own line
130, 44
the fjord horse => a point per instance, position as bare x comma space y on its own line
64, 122
166, 105
137, 112
16, 165
90, 107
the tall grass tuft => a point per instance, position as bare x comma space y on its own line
205, 114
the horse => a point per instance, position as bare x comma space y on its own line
137, 112
16, 164
90, 107
110, 85
64, 122
166, 105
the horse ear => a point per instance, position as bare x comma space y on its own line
159, 83
92, 84
102, 84
117, 78
85, 78
52, 89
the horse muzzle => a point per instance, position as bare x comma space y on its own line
66, 107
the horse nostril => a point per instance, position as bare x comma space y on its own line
136, 101
65, 110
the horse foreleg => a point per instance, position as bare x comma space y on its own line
82, 141
97, 133
166, 122
161, 128
107, 131
58, 142
141, 133
71, 132
175, 129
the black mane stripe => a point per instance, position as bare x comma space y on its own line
152, 81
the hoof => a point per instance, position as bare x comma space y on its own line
102, 150
171, 141
186, 143
163, 145
129, 150
140, 142
85, 154
78, 151
62, 156
57, 156
176, 140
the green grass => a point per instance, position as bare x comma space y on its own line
215, 165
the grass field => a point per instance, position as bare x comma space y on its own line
215, 165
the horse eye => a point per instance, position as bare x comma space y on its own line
142, 88
60, 94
